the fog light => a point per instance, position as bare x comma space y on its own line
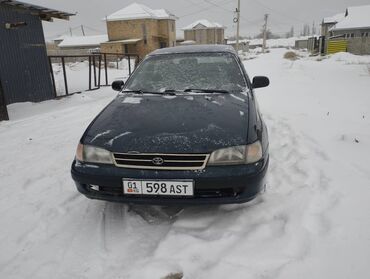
94, 187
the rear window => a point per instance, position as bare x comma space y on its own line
188, 70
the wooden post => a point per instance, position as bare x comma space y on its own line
99, 63
129, 64
3, 110
89, 72
94, 68
64, 75
52, 77
106, 69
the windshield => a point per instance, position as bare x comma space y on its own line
188, 71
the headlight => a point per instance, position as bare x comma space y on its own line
237, 155
92, 154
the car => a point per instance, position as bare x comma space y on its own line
185, 129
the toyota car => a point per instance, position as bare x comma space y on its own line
184, 129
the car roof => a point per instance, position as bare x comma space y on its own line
194, 49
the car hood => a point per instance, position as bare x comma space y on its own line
191, 123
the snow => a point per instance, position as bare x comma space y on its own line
140, 11
78, 75
272, 43
83, 41
348, 58
203, 23
188, 42
110, 142
132, 100
237, 98
358, 17
312, 221
334, 19
276, 43
100, 135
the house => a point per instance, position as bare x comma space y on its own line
76, 45
24, 66
205, 32
329, 22
139, 29
352, 32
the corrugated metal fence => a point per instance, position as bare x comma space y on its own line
24, 71
337, 45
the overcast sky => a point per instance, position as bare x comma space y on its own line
282, 14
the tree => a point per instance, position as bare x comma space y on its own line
290, 33
306, 30
269, 35
313, 30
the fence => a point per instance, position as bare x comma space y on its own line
68, 71
338, 45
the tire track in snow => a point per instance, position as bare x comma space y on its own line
275, 229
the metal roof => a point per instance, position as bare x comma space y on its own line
43, 12
194, 49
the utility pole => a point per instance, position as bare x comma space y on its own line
83, 30
237, 25
265, 33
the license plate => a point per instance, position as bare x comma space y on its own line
158, 187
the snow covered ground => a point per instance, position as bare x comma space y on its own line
78, 75
312, 222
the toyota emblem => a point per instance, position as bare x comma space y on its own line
158, 161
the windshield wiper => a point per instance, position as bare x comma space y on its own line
196, 90
139, 91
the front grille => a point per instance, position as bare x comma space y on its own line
161, 161
198, 193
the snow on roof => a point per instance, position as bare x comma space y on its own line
334, 19
140, 11
128, 41
188, 42
61, 37
83, 41
203, 24
356, 17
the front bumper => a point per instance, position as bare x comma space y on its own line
212, 185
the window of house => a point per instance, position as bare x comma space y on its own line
126, 48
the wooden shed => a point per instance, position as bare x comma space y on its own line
24, 67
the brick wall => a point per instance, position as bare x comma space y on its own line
359, 45
151, 31
205, 36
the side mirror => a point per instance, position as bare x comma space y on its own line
260, 81
117, 85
